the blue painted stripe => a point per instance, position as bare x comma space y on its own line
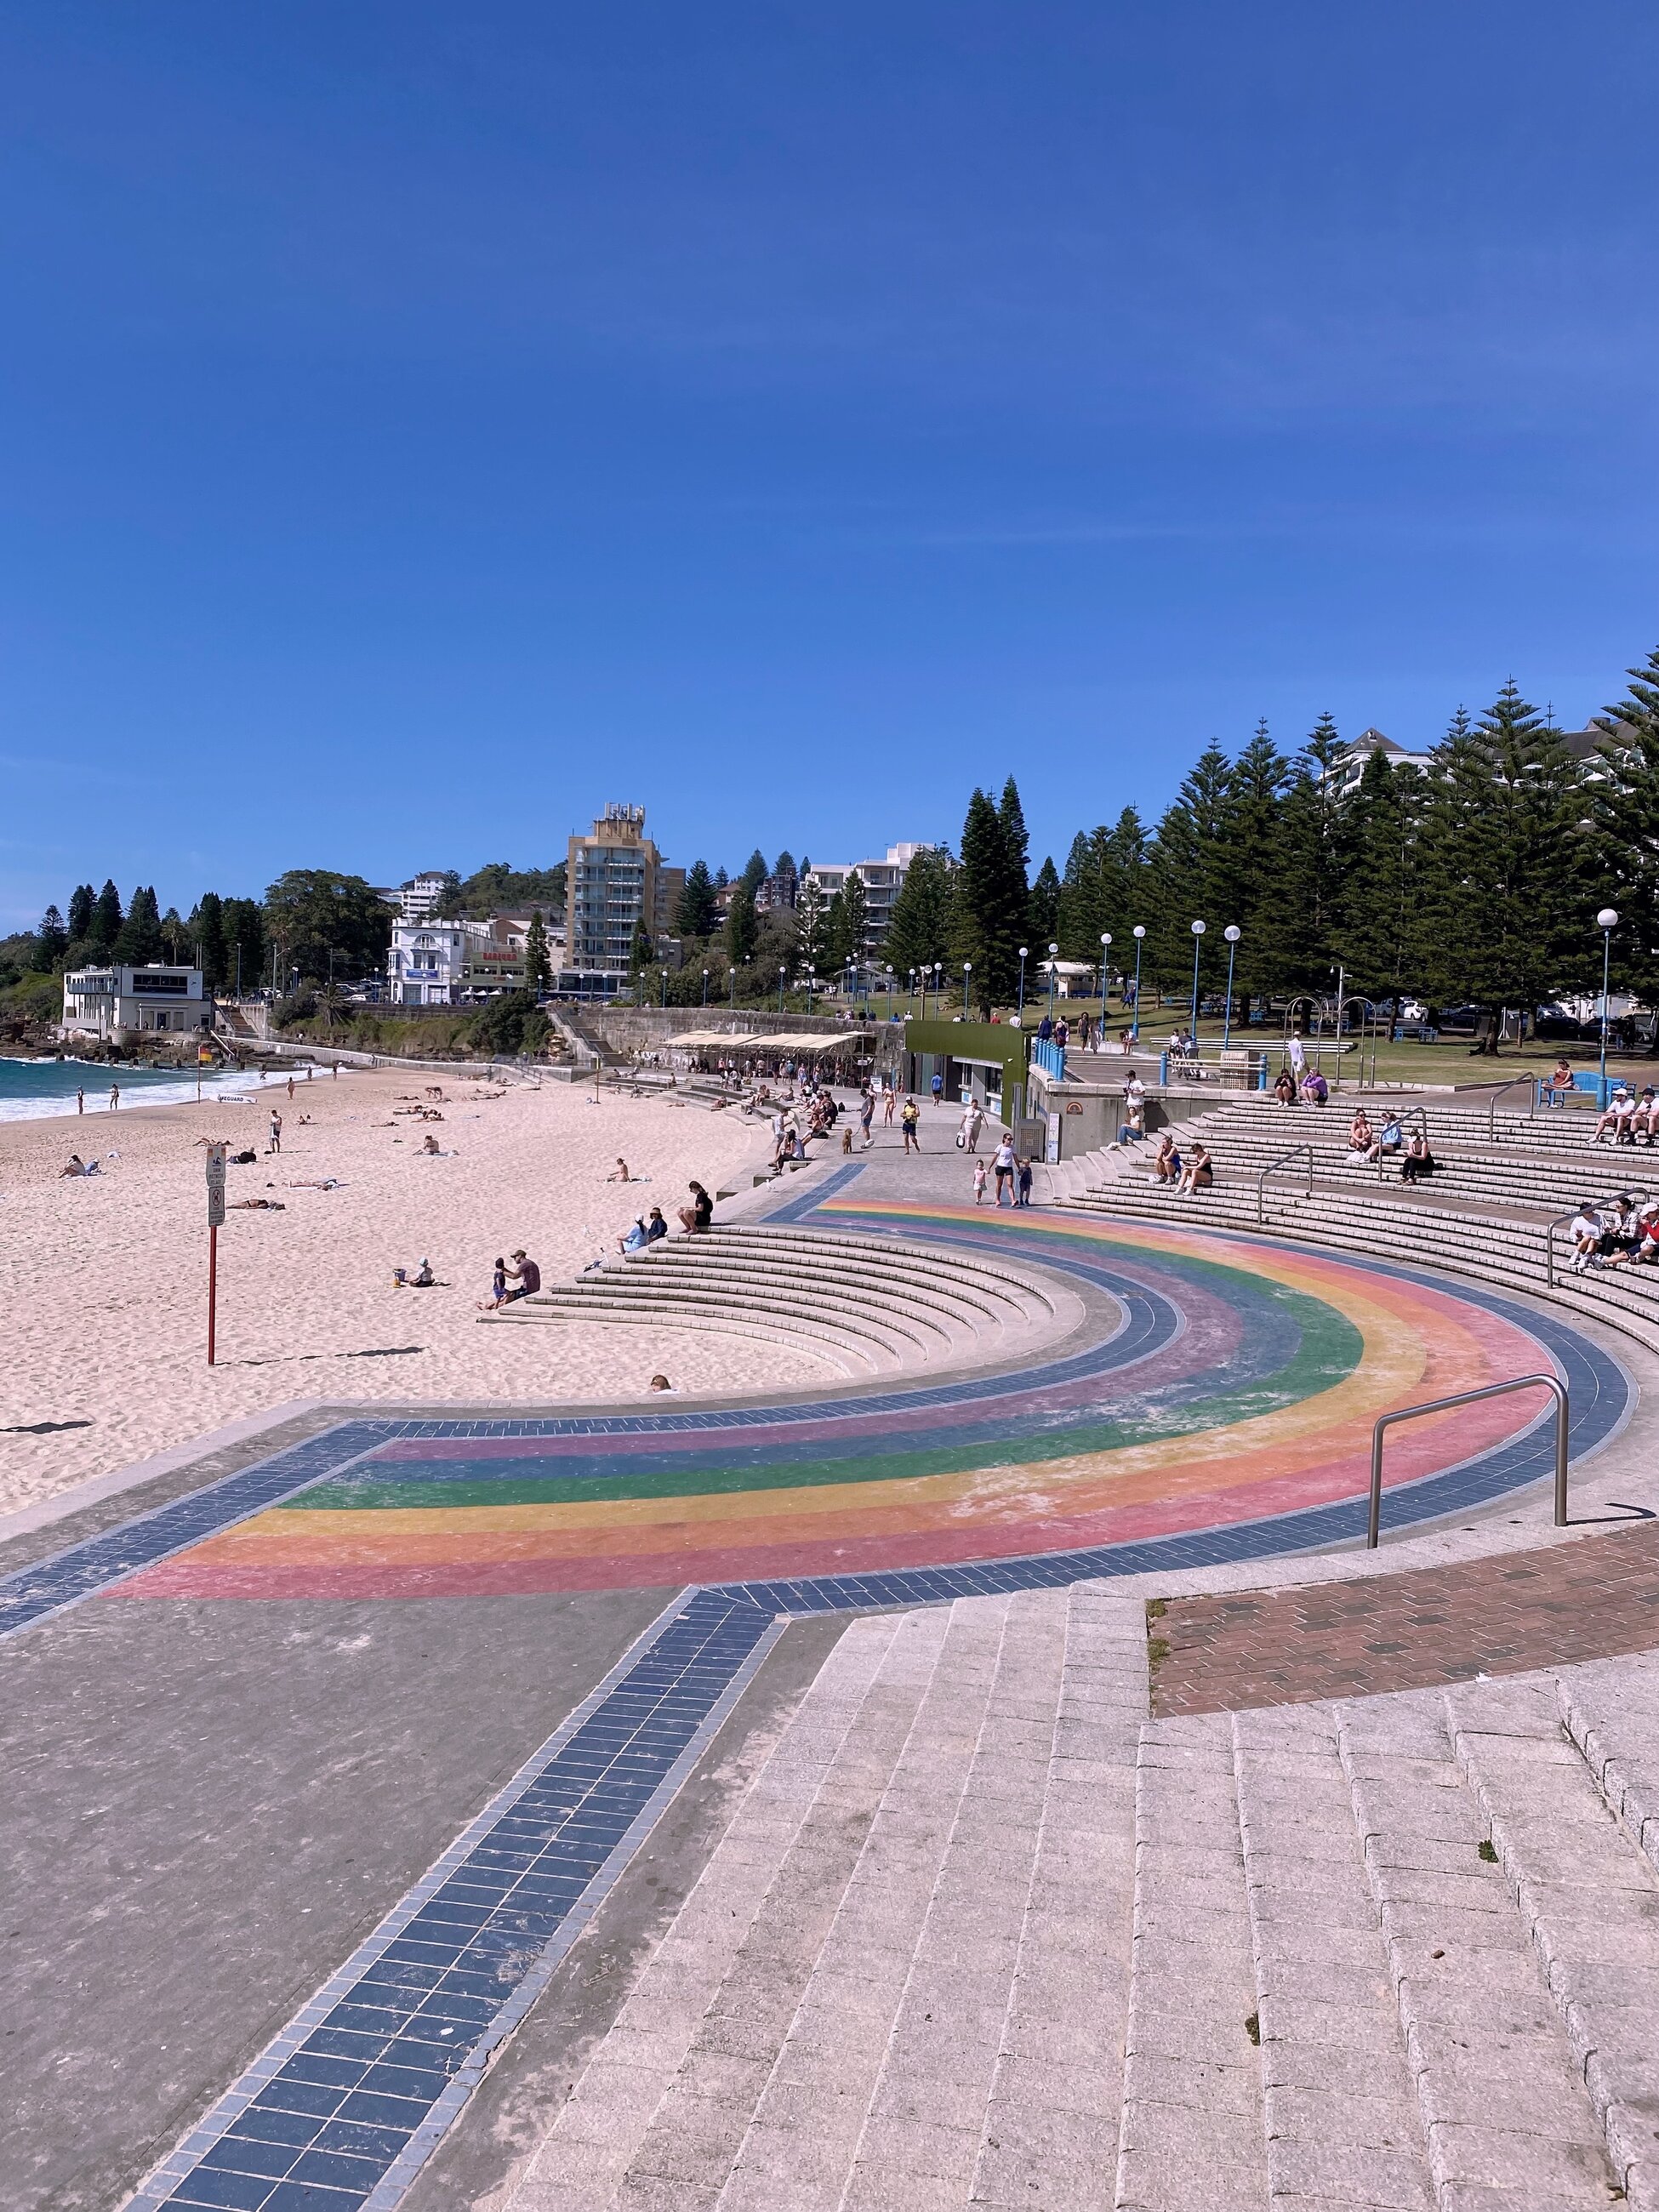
357, 2090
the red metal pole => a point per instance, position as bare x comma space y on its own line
213, 1287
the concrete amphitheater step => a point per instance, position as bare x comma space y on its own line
1507, 1254
909, 1952
1510, 2125
980, 1933
878, 1304
1339, 2109
769, 1886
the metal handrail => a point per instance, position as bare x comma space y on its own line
1260, 1181
1513, 1084
1552, 1383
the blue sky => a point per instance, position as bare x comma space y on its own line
423, 424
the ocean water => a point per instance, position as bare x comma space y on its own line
31, 1089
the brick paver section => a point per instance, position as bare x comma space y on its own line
1593, 1598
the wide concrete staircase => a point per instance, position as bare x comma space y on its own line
1543, 1163
868, 1305
982, 1934
1486, 1216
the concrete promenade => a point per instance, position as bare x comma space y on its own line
894, 1892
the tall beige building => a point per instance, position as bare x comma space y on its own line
616, 878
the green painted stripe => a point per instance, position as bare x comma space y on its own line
1328, 1351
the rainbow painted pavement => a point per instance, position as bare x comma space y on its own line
1228, 1413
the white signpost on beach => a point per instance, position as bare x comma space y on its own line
216, 1197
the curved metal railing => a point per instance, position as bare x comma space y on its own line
1551, 1382
1513, 1084
1272, 1166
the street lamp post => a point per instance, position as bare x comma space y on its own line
705, 986
1232, 933
1197, 942
1140, 939
812, 983
912, 994
1053, 950
1105, 951
1606, 921
966, 970
1024, 954
664, 990
782, 972
939, 990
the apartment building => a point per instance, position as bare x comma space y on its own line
614, 880
883, 882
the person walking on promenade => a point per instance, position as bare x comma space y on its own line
910, 1122
867, 1116
889, 1105
1003, 1160
938, 1088
980, 1179
1024, 1196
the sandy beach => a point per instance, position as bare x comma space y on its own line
103, 1282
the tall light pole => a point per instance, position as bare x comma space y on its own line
1140, 939
912, 999
1053, 950
1105, 951
939, 990
782, 972
1025, 953
705, 986
1197, 942
1606, 921
966, 970
811, 982
1232, 933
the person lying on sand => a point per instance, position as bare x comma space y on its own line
257, 1205
328, 1182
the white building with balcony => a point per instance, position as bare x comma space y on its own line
110, 1001
455, 962
883, 882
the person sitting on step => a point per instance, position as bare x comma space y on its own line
1418, 1161
1199, 1173
1166, 1165
1363, 1142
1585, 1231
1615, 1117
